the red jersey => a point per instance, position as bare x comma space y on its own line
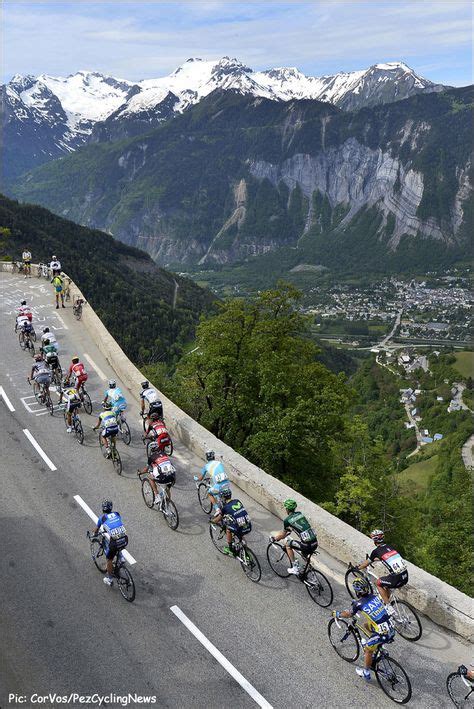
77, 369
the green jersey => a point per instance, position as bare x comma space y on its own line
297, 522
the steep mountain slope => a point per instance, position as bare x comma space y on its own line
47, 116
151, 312
237, 176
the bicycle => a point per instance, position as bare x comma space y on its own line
124, 428
405, 619
166, 449
243, 554
317, 585
25, 339
17, 267
345, 638
42, 271
460, 687
77, 308
124, 578
42, 395
76, 425
114, 454
203, 495
86, 400
56, 370
166, 506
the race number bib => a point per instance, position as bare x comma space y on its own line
383, 628
117, 532
220, 477
306, 536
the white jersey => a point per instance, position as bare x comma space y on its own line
150, 395
22, 320
26, 256
55, 265
49, 336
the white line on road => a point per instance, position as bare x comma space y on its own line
95, 367
94, 518
62, 321
5, 398
245, 684
36, 445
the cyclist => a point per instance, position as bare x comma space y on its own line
396, 566
217, 476
23, 323
155, 430
47, 335
73, 402
50, 354
55, 266
235, 518
107, 422
78, 371
307, 542
115, 536
372, 620
116, 398
57, 282
26, 256
160, 470
23, 312
149, 395
40, 372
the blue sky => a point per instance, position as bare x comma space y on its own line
137, 40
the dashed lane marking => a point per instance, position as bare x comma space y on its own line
95, 367
94, 518
245, 684
37, 446
7, 401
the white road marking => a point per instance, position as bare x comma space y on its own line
36, 445
61, 321
5, 398
95, 367
94, 518
245, 684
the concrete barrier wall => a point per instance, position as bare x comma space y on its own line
442, 603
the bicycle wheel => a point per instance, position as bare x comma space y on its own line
125, 583
318, 587
148, 493
125, 431
170, 513
31, 347
169, 449
98, 556
352, 574
278, 559
250, 565
344, 640
217, 534
86, 402
116, 459
406, 621
57, 376
460, 690
393, 679
38, 392
49, 404
77, 310
203, 497
78, 430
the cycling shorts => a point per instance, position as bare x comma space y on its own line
164, 478
218, 487
72, 405
43, 378
58, 289
237, 530
80, 380
377, 639
110, 431
305, 549
393, 580
113, 546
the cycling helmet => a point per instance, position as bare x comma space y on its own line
38, 357
112, 383
75, 359
107, 506
23, 302
46, 342
153, 448
377, 536
45, 330
106, 405
210, 455
145, 385
226, 494
361, 587
290, 505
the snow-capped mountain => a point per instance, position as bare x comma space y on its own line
53, 115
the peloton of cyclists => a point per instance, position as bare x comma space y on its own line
111, 526
307, 541
214, 469
234, 516
396, 566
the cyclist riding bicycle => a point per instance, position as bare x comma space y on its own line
115, 396
372, 620
150, 396
23, 324
214, 469
40, 372
107, 422
50, 354
393, 562
73, 402
307, 542
78, 371
234, 516
160, 470
155, 430
47, 335
115, 537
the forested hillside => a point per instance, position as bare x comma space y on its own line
129, 292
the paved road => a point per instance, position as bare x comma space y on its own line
63, 630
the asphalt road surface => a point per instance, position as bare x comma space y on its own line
63, 631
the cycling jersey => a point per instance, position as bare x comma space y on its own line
297, 522
162, 469
214, 469
150, 395
235, 517
26, 256
115, 537
108, 420
57, 283
23, 323
50, 349
389, 557
40, 369
374, 615
117, 399
49, 336
55, 266
78, 370
71, 393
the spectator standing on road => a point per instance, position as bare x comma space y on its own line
26, 256
55, 266
57, 282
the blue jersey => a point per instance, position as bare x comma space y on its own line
373, 613
235, 517
216, 472
117, 398
112, 525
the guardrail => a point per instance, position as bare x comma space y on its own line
441, 602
